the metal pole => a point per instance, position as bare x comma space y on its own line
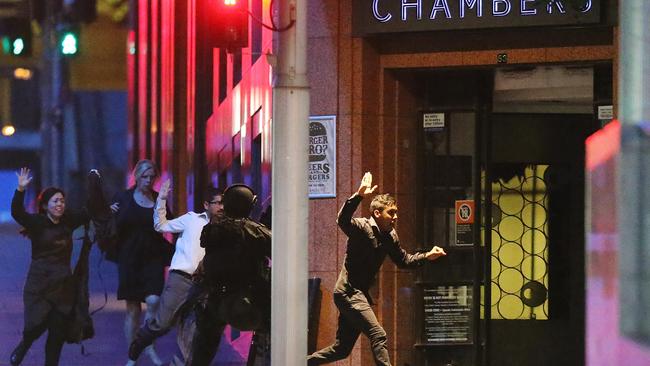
634, 88
290, 193
51, 88
633, 191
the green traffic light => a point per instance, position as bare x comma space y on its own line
69, 44
6, 45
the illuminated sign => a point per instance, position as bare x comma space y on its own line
387, 16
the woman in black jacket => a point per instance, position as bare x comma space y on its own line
142, 252
49, 293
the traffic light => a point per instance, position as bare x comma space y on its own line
69, 40
16, 37
228, 24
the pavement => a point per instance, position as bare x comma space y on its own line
108, 347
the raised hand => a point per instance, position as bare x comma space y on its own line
164, 190
115, 207
366, 184
23, 179
435, 253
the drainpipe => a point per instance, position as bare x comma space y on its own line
290, 193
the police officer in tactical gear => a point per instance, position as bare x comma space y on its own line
237, 275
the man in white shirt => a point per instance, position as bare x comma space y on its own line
185, 261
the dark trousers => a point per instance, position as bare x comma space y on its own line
355, 317
55, 325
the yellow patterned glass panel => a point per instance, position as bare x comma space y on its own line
519, 244
533, 215
534, 268
534, 241
511, 280
496, 264
509, 307
511, 254
511, 228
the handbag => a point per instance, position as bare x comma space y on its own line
80, 327
106, 234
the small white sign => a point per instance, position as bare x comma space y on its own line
433, 120
605, 112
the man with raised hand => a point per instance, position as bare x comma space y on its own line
370, 240
186, 259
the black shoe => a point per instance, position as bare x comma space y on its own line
18, 354
137, 346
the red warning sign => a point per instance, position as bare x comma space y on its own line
465, 212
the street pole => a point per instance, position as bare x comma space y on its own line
634, 88
633, 164
52, 86
290, 201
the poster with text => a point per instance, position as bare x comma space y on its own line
322, 156
464, 222
448, 314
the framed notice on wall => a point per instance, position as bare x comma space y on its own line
322, 156
448, 315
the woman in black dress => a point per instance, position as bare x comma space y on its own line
48, 295
142, 252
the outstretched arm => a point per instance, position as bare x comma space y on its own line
403, 259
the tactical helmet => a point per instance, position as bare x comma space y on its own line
238, 200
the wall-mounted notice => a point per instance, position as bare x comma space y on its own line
448, 315
433, 121
464, 222
322, 156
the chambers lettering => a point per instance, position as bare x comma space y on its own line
434, 9
403, 15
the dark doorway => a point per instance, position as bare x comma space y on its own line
521, 269
534, 210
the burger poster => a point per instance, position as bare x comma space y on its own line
322, 156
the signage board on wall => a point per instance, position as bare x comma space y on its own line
464, 222
390, 16
448, 315
605, 112
433, 121
322, 156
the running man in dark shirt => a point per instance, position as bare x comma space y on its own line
369, 241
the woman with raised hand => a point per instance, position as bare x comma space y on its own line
142, 253
49, 294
